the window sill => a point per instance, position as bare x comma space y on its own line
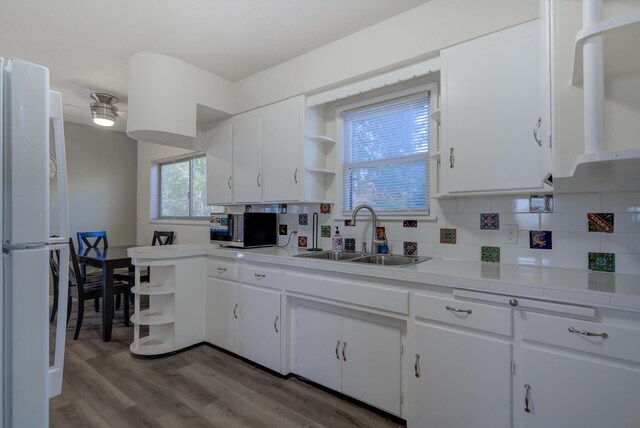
397, 218
184, 222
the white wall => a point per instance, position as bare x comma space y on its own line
187, 231
102, 175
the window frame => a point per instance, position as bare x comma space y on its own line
424, 214
171, 161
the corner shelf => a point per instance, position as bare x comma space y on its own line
321, 139
149, 345
621, 47
152, 289
151, 317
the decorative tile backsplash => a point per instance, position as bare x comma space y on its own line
448, 236
303, 219
409, 223
540, 239
410, 248
282, 229
568, 223
600, 222
490, 221
490, 254
541, 203
325, 231
602, 262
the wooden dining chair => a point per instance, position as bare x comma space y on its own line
87, 241
82, 290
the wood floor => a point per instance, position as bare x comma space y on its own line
203, 387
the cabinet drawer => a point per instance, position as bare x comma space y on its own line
477, 316
621, 342
224, 270
263, 277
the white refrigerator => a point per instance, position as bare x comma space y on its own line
29, 114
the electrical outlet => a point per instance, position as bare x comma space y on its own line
511, 234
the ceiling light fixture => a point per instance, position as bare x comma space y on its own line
103, 111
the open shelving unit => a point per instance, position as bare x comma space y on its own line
160, 317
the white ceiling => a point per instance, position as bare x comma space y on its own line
86, 43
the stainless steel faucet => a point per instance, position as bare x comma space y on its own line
374, 226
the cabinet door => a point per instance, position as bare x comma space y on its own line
372, 363
260, 326
572, 391
491, 105
219, 151
222, 313
281, 139
464, 379
317, 346
247, 177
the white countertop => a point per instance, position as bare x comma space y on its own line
569, 285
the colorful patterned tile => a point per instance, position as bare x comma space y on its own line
349, 244
490, 254
325, 208
490, 221
410, 248
540, 239
602, 262
248, 208
380, 233
448, 236
302, 241
282, 229
325, 231
303, 219
282, 208
349, 223
409, 223
541, 203
600, 222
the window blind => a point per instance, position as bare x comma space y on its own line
386, 155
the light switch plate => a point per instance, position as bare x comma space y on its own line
511, 234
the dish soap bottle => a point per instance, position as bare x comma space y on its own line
338, 242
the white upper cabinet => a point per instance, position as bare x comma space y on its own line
219, 161
495, 113
281, 144
247, 160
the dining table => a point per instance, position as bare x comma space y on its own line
108, 259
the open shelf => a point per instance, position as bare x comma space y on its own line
621, 37
150, 346
321, 139
321, 170
153, 289
151, 317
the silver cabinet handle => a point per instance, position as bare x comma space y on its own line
416, 367
259, 275
452, 158
235, 311
513, 302
229, 183
258, 179
588, 333
295, 175
527, 388
344, 348
338, 350
221, 269
275, 324
452, 309
535, 131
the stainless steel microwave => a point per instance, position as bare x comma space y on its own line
244, 230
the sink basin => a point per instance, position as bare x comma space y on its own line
390, 260
331, 255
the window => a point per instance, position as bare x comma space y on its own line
386, 155
183, 188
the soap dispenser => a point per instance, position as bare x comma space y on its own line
338, 242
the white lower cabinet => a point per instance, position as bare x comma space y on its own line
463, 379
360, 358
260, 326
223, 311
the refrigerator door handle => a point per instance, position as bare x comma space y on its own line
55, 371
55, 113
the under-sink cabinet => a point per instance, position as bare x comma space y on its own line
462, 368
360, 358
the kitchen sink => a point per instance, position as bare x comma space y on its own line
331, 255
373, 259
391, 260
